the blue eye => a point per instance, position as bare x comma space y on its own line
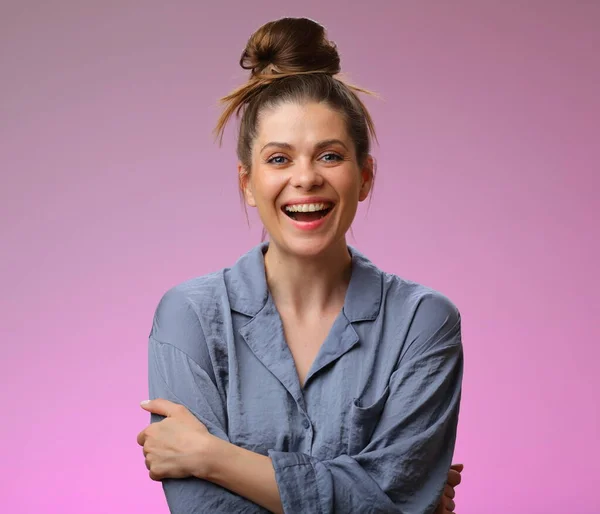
331, 157
277, 159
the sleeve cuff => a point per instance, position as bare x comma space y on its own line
297, 482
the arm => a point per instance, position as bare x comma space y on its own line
404, 467
175, 376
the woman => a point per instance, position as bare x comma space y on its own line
303, 378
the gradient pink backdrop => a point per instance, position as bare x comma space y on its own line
112, 191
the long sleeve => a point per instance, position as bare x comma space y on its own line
174, 375
404, 465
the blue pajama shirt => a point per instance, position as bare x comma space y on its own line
373, 428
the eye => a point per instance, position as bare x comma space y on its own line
277, 159
331, 157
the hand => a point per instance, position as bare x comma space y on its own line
447, 503
175, 446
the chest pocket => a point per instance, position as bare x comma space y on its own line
363, 421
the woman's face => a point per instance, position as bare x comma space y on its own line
305, 180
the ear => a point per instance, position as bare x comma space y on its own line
245, 186
366, 175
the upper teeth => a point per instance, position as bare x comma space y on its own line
306, 207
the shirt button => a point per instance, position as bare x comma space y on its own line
305, 423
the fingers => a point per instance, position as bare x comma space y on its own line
141, 438
143, 442
154, 469
446, 505
153, 473
160, 406
457, 467
454, 478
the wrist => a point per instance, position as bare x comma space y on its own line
211, 457
242, 472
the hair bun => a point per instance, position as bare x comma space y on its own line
288, 46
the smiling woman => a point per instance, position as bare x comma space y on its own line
303, 379
307, 185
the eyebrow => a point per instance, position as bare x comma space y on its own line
318, 146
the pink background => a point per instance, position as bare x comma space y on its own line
112, 191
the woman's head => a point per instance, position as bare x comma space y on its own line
295, 98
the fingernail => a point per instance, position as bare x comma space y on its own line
144, 402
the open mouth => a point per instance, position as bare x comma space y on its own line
307, 212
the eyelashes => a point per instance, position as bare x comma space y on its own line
276, 159
329, 157
337, 158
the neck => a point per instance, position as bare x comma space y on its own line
307, 286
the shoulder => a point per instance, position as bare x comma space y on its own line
203, 302
188, 297
423, 301
427, 316
177, 317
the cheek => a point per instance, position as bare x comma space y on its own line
270, 185
266, 189
349, 188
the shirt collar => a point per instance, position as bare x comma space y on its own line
248, 293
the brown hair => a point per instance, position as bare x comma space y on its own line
291, 59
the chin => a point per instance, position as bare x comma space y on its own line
309, 247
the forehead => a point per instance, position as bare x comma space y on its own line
298, 124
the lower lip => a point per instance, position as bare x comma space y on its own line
309, 225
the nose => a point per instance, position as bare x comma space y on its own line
305, 176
